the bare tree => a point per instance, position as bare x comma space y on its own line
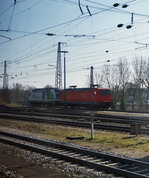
114, 85
111, 81
146, 81
131, 95
106, 71
99, 78
48, 86
125, 84
116, 78
123, 76
19, 93
138, 66
5, 95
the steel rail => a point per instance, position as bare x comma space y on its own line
36, 109
69, 123
97, 117
66, 123
143, 166
60, 110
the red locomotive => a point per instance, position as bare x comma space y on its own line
88, 97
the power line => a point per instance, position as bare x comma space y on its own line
109, 37
117, 10
14, 5
38, 32
5, 76
6, 10
33, 5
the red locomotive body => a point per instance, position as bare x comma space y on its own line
93, 97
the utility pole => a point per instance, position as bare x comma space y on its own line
5, 95
92, 125
91, 77
5, 76
64, 77
58, 75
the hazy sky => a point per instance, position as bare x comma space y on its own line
89, 30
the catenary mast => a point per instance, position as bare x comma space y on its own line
58, 74
5, 77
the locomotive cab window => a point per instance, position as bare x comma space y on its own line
58, 93
104, 92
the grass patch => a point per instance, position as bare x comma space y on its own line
102, 140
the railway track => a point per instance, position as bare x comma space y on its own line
76, 120
99, 161
100, 117
46, 109
124, 119
63, 122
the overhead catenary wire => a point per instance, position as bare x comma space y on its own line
28, 34
38, 32
6, 10
14, 5
18, 13
106, 38
118, 10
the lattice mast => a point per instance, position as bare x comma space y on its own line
91, 77
58, 74
5, 77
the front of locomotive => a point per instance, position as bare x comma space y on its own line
104, 97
